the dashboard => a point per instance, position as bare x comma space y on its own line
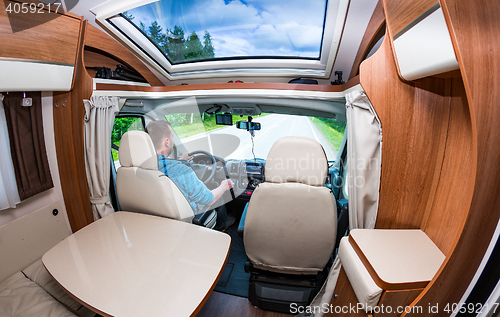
248, 175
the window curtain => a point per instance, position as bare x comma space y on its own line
98, 124
27, 143
9, 196
364, 163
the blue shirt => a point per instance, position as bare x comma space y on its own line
196, 193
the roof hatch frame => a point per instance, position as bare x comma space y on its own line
108, 16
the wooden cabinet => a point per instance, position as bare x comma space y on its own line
53, 37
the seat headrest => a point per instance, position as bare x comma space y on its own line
297, 160
137, 150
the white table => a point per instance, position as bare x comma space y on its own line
129, 264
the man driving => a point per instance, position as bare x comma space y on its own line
196, 193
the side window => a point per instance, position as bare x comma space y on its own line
122, 125
331, 133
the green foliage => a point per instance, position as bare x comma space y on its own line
155, 32
121, 126
332, 129
194, 49
175, 45
339, 126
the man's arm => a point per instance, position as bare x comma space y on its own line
219, 191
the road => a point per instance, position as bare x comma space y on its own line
231, 143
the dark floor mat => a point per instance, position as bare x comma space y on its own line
234, 280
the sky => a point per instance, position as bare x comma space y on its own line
244, 27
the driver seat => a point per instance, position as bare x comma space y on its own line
142, 188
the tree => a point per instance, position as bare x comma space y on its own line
208, 48
194, 49
156, 34
175, 44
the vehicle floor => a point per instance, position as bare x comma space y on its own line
234, 280
224, 305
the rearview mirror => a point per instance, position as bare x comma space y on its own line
247, 125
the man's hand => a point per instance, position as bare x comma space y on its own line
184, 156
224, 186
227, 184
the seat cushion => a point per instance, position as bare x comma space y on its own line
21, 297
367, 292
38, 274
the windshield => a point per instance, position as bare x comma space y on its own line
199, 131
197, 30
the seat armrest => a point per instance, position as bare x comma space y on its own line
241, 225
206, 219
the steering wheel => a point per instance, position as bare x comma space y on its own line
214, 164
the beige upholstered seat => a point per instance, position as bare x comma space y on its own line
141, 186
365, 288
291, 221
21, 297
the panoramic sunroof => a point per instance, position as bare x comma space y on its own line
195, 30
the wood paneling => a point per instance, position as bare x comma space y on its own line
374, 32
68, 130
446, 214
54, 37
393, 299
344, 296
393, 101
99, 40
425, 135
223, 305
400, 13
474, 33
276, 86
427, 151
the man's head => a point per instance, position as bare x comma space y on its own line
162, 135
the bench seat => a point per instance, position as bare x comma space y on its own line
33, 292
21, 297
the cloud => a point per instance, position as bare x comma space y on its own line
245, 27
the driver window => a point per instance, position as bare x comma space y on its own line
122, 125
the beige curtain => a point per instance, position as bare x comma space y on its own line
364, 163
99, 118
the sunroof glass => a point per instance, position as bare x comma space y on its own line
195, 30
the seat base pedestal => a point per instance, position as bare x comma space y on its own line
282, 293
